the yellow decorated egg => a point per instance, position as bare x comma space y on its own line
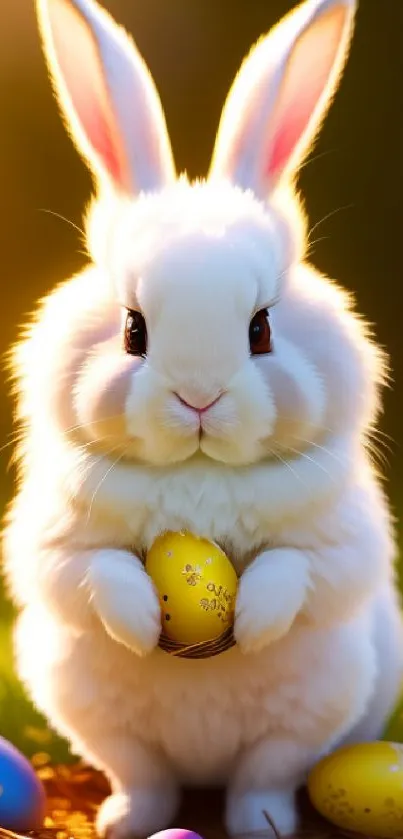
360, 788
197, 585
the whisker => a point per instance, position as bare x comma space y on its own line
86, 446
311, 460
63, 218
289, 467
316, 157
311, 245
321, 448
104, 477
378, 456
369, 434
91, 460
81, 425
326, 217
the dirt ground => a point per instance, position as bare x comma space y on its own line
75, 792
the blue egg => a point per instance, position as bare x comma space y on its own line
22, 796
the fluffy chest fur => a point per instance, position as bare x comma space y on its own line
244, 509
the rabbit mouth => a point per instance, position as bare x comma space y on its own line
213, 418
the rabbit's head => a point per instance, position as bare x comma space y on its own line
201, 330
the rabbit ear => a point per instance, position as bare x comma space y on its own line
281, 94
107, 95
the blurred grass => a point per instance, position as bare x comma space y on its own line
19, 721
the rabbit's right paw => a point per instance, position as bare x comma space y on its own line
125, 600
136, 813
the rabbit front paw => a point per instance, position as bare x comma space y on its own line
271, 593
271, 813
125, 600
136, 813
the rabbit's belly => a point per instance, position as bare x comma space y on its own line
202, 714
307, 690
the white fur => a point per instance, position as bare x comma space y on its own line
277, 471
104, 79
281, 95
136, 623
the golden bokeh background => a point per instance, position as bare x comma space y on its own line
353, 183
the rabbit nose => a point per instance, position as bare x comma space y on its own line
198, 404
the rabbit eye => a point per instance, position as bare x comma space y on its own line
135, 336
260, 333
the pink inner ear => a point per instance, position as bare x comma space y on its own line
294, 120
96, 127
305, 79
85, 84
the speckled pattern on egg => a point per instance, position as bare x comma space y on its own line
360, 788
197, 586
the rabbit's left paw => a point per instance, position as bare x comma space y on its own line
246, 813
271, 593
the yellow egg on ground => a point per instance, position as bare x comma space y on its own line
197, 585
360, 788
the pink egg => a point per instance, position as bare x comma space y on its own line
176, 833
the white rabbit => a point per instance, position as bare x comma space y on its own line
200, 375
